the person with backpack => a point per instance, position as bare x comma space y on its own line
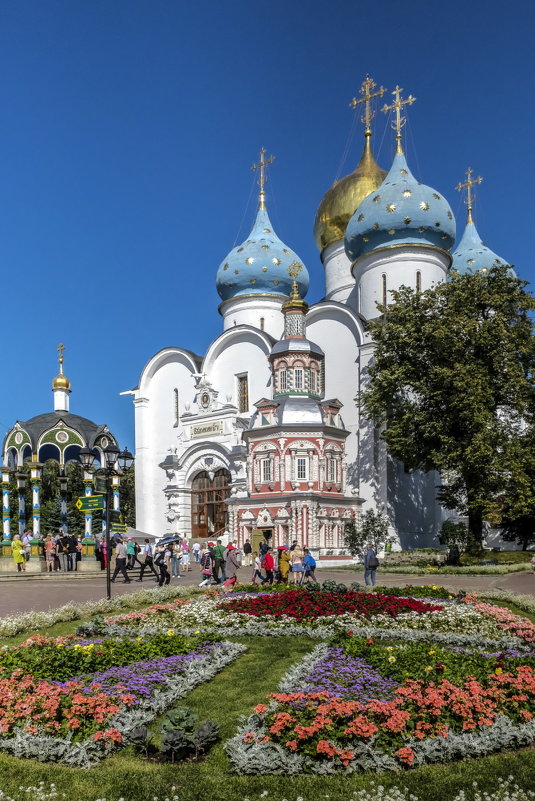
309, 566
232, 565
147, 563
219, 562
268, 563
162, 561
206, 563
371, 563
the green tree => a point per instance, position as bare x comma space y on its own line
128, 496
455, 537
452, 387
373, 528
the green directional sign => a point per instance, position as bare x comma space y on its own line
90, 503
120, 528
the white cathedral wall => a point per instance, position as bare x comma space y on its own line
239, 351
337, 331
400, 267
339, 281
260, 312
156, 431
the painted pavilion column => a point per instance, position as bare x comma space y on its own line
63, 486
6, 519
21, 486
88, 484
115, 484
36, 470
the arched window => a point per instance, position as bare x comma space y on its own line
418, 281
243, 392
176, 408
298, 378
383, 290
283, 379
261, 323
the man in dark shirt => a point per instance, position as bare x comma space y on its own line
72, 551
63, 550
247, 553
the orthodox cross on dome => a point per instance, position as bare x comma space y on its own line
294, 269
61, 348
468, 184
400, 121
263, 163
366, 90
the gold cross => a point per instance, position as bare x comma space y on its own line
366, 90
294, 269
400, 121
61, 348
262, 179
468, 184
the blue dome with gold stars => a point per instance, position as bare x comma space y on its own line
401, 211
259, 266
471, 255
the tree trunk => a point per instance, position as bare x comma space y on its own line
475, 527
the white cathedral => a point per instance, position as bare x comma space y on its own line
263, 433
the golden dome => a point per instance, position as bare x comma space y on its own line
340, 202
61, 382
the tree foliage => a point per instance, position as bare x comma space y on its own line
454, 535
50, 499
373, 528
452, 384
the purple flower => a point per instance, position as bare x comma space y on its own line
347, 677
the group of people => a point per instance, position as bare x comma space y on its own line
219, 564
62, 551
165, 561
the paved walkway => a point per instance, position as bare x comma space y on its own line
20, 593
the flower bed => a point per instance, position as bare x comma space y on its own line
299, 605
455, 623
421, 591
78, 717
60, 658
324, 720
506, 620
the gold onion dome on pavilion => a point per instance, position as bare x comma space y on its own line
61, 381
344, 196
340, 202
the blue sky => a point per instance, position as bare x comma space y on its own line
127, 132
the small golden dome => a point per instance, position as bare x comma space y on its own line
61, 382
344, 196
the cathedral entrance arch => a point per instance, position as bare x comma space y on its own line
208, 507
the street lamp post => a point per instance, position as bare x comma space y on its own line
113, 459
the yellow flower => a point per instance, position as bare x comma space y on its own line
389, 648
391, 658
138, 639
428, 668
430, 652
498, 670
60, 645
170, 632
197, 632
77, 646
